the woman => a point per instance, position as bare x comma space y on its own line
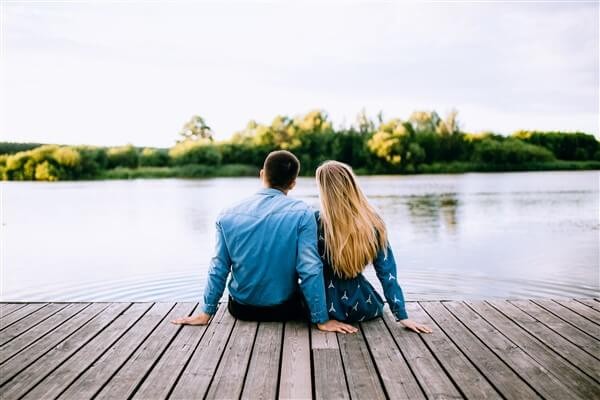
351, 236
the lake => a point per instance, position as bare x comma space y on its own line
469, 236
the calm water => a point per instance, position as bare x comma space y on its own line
454, 236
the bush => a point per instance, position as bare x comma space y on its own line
195, 152
237, 170
20, 167
46, 171
154, 158
93, 160
125, 156
510, 151
564, 146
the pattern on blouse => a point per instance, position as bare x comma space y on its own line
362, 318
331, 309
345, 296
331, 286
369, 300
391, 277
355, 308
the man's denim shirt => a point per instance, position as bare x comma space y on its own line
267, 242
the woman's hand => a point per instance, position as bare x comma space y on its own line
336, 326
415, 326
198, 319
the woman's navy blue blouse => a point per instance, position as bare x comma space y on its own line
355, 299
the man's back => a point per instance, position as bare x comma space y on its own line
267, 242
261, 235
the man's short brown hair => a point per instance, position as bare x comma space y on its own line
281, 169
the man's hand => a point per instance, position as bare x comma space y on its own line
336, 326
415, 326
198, 319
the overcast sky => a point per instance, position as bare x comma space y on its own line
111, 73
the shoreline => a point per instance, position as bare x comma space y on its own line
192, 171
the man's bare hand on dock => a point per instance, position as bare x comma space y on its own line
198, 319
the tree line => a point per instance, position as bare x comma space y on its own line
425, 142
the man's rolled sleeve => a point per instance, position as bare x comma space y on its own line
220, 266
310, 269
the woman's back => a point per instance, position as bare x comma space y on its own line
355, 299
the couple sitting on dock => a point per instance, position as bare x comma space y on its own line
288, 262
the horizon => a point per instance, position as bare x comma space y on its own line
66, 79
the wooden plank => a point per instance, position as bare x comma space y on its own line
560, 326
62, 377
566, 373
361, 374
540, 378
88, 384
19, 314
429, 373
27, 378
24, 324
295, 379
397, 378
581, 309
123, 384
328, 369
468, 379
590, 303
228, 381
198, 373
504, 379
159, 383
553, 340
7, 308
19, 343
571, 317
263, 371
20, 361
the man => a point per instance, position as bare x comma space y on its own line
268, 243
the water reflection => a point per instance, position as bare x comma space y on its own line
432, 212
454, 236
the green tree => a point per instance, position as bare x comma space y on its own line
364, 124
195, 152
124, 156
391, 142
154, 157
47, 171
195, 129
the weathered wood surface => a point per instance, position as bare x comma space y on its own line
494, 349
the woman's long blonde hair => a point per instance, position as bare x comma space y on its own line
353, 230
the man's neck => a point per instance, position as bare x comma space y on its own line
285, 192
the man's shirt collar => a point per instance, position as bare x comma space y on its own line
270, 191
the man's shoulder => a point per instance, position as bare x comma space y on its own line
251, 206
239, 207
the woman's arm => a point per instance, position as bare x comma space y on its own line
385, 267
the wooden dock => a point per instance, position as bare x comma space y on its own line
521, 349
